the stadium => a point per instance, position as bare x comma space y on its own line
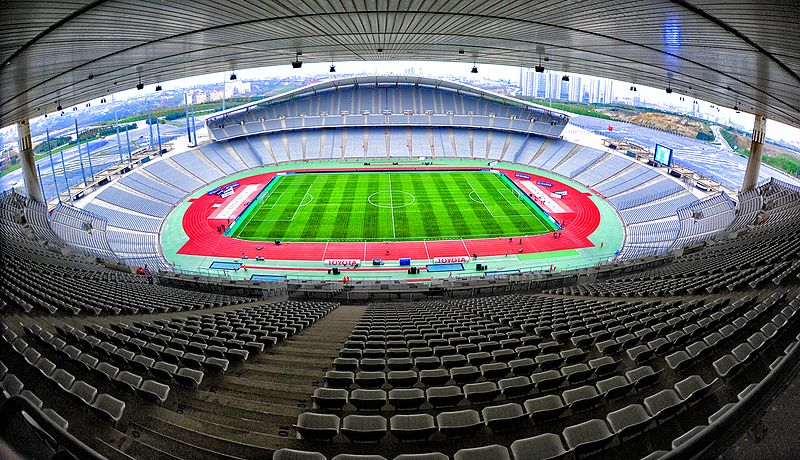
399, 267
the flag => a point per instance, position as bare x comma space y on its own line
610, 128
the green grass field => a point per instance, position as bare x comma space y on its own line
396, 206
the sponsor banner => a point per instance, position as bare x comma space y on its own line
522, 176
561, 192
555, 195
450, 260
342, 262
543, 183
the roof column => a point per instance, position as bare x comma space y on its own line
756, 150
27, 162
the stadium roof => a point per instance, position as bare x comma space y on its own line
728, 53
387, 80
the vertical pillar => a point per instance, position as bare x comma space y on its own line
80, 155
150, 127
28, 163
52, 167
119, 143
756, 152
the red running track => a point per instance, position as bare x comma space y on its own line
205, 240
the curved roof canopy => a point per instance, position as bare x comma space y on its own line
728, 53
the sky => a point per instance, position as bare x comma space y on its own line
460, 70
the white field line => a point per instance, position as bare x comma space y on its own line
391, 205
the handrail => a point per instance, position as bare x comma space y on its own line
17, 405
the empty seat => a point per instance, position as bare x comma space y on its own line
494, 452
541, 447
425, 456
679, 360
663, 404
128, 381
614, 387
481, 392
108, 408
589, 436
444, 396
292, 454
414, 427
406, 398
368, 399
433, 377
82, 392
191, 378
402, 378
458, 423
577, 373
727, 366
154, 392
628, 421
164, 370
643, 376
547, 380
370, 379
364, 427
464, 374
339, 379
329, 398
317, 426
693, 388
545, 408
581, 398
504, 416
515, 386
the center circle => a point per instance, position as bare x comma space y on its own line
391, 199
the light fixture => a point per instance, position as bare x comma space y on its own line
669, 90
474, 68
59, 108
460, 51
333, 68
539, 68
158, 87
91, 76
233, 76
75, 109
380, 50
297, 63
140, 85
565, 78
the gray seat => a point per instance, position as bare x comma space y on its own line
581, 398
330, 398
433, 377
458, 423
358, 457
364, 427
663, 404
368, 399
164, 370
614, 387
425, 456
154, 392
693, 388
515, 386
63, 379
339, 379
547, 446
589, 436
577, 373
370, 379
402, 379
630, 420
108, 408
317, 426
464, 374
482, 392
82, 392
44, 366
504, 416
547, 380
727, 366
292, 454
643, 377
444, 396
679, 360
128, 381
545, 408
191, 378
406, 398
414, 427
494, 452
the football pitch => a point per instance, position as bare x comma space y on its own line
390, 206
